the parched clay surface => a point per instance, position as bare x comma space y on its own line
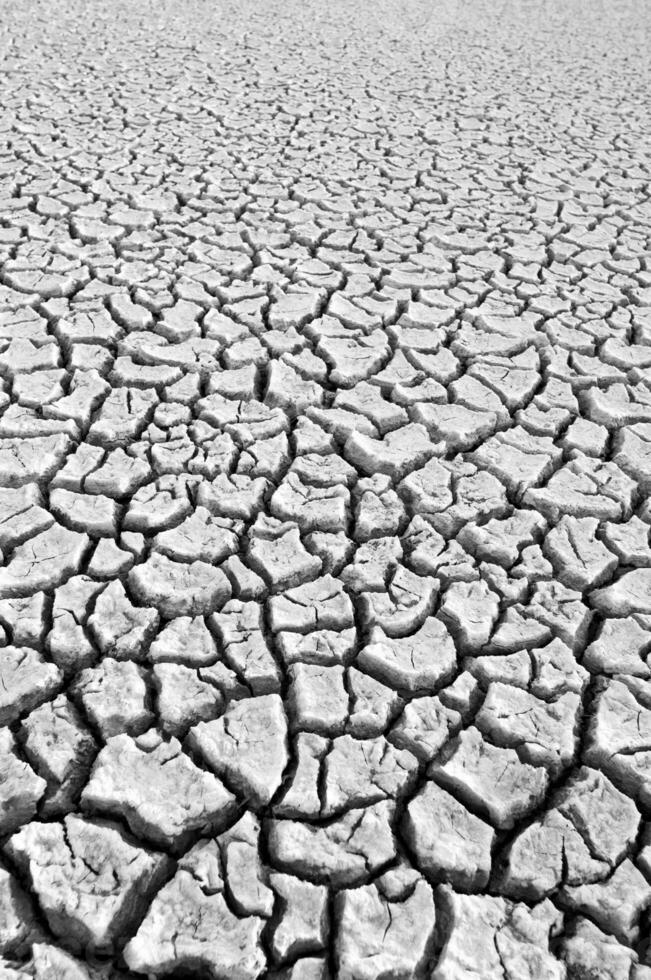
325, 428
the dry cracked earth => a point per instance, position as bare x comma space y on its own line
325, 451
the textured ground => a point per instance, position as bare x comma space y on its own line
325, 449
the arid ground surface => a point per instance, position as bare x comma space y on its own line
325, 451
